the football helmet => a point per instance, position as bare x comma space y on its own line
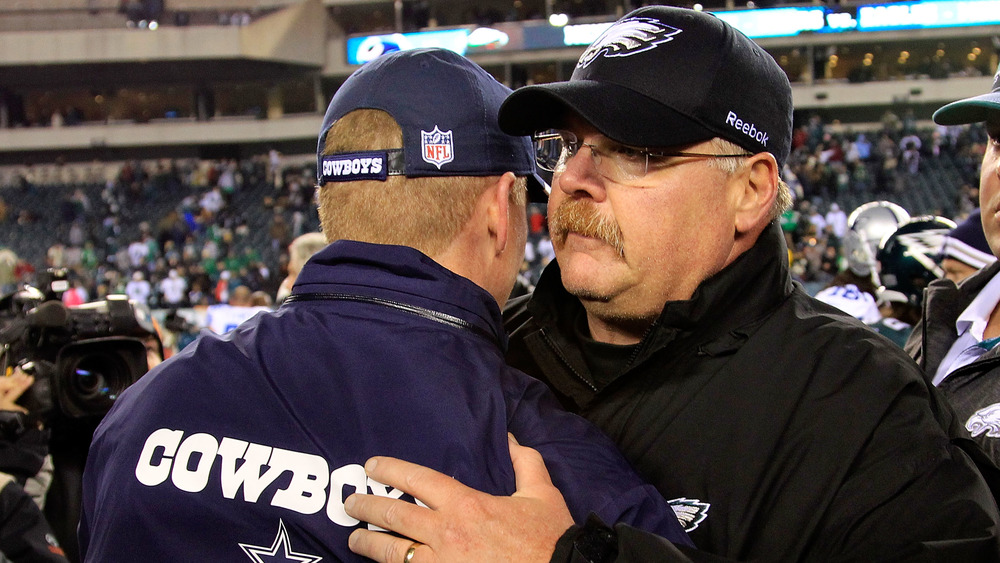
908, 259
870, 223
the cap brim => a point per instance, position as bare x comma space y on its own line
970, 110
611, 108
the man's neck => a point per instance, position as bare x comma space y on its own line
993, 325
617, 332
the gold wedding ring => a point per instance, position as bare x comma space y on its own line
409, 552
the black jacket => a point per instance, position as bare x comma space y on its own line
780, 428
972, 390
25, 535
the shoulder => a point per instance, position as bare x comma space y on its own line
516, 313
836, 341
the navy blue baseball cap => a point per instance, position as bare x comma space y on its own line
971, 110
967, 243
662, 77
447, 108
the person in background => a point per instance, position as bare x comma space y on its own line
853, 292
391, 341
854, 288
25, 534
174, 289
779, 428
956, 340
261, 298
138, 288
224, 317
836, 219
966, 250
907, 262
299, 252
76, 294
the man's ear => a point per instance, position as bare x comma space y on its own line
757, 188
499, 211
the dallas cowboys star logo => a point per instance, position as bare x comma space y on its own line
261, 554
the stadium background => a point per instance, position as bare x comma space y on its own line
118, 116
144, 137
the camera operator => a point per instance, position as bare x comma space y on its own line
25, 534
80, 359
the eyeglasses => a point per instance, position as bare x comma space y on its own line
615, 161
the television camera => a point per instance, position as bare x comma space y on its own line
82, 357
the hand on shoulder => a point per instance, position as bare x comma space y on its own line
460, 524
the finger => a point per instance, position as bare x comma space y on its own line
384, 548
431, 487
10, 405
10, 382
397, 515
529, 467
19, 384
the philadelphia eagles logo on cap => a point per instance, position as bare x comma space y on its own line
628, 37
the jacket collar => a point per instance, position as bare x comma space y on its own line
402, 274
719, 314
943, 303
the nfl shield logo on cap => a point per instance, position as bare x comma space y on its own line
437, 146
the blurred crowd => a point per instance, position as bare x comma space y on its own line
186, 233
169, 233
833, 171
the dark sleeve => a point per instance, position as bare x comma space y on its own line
877, 504
595, 542
22, 452
918, 498
25, 535
585, 465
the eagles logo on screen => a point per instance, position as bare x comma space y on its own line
628, 37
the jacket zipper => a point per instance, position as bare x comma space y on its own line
631, 360
642, 343
559, 353
422, 312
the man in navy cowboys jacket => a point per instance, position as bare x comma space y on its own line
244, 446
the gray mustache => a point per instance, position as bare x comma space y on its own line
583, 218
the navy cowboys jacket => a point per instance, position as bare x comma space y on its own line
244, 446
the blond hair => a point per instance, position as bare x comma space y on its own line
422, 213
782, 201
302, 249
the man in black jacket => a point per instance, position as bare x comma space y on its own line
779, 428
956, 343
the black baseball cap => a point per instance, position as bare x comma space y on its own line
662, 77
446, 106
971, 110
